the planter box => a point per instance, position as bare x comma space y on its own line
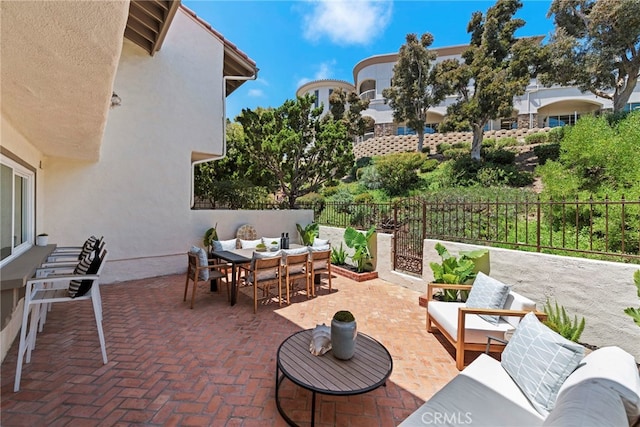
354, 275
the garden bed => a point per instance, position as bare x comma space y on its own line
351, 273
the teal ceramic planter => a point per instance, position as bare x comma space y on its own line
343, 339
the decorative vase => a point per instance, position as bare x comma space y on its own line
343, 339
42, 240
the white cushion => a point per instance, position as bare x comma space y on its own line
588, 404
264, 275
249, 244
268, 241
515, 301
615, 369
476, 328
321, 248
202, 260
539, 360
487, 292
299, 268
224, 245
320, 242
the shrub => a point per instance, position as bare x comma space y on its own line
556, 134
330, 191
559, 321
370, 178
311, 199
465, 145
492, 177
488, 142
344, 199
456, 153
429, 165
506, 142
500, 157
363, 198
547, 152
442, 147
426, 149
536, 138
399, 172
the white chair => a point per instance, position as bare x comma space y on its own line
71, 254
49, 287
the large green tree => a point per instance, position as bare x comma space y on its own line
596, 46
496, 67
297, 146
347, 106
413, 86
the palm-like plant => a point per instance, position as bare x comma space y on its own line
631, 311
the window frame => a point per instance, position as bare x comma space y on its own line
21, 170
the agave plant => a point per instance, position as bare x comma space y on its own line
631, 311
561, 322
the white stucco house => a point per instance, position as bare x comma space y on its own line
539, 107
106, 108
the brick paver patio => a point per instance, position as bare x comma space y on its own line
213, 365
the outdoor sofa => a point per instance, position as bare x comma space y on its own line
542, 380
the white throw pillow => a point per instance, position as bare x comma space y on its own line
487, 292
539, 360
264, 275
249, 244
320, 242
224, 245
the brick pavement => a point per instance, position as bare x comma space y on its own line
213, 365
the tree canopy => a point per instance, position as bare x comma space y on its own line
495, 68
294, 143
347, 107
596, 46
413, 86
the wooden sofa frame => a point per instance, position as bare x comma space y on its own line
458, 342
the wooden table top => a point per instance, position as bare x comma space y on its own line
369, 368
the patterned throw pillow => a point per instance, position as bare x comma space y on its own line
79, 287
202, 260
90, 245
539, 360
487, 292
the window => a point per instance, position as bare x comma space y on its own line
406, 130
555, 121
17, 207
317, 95
507, 124
632, 106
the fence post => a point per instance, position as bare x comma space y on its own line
538, 225
395, 236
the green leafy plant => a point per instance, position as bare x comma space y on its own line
455, 270
561, 322
343, 316
631, 311
308, 233
360, 242
338, 256
209, 236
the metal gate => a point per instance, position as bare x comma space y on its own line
409, 217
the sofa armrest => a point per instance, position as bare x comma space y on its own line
432, 286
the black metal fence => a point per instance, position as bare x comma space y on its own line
603, 229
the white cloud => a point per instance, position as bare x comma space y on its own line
255, 93
347, 22
324, 71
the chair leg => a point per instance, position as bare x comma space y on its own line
186, 288
23, 341
255, 295
193, 293
460, 357
96, 299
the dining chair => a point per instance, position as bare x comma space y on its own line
50, 287
264, 271
319, 263
296, 268
202, 269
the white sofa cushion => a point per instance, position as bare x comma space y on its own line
539, 360
482, 395
249, 244
613, 368
515, 301
487, 292
588, 404
268, 241
224, 245
476, 328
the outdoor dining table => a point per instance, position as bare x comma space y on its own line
235, 259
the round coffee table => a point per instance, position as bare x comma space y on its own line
369, 368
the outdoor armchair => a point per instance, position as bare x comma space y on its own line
201, 269
264, 272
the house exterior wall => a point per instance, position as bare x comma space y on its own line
138, 194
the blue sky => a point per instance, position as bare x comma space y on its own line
294, 42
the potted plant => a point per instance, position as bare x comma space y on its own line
360, 242
42, 239
308, 233
261, 247
338, 256
343, 335
209, 236
458, 270
633, 312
